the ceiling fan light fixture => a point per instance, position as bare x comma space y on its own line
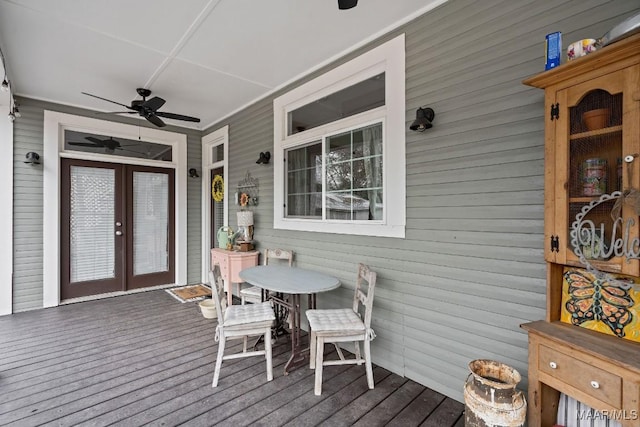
347, 4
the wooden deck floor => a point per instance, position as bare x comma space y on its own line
146, 359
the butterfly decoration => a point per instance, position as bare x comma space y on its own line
598, 300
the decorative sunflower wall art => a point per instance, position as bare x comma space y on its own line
244, 200
217, 188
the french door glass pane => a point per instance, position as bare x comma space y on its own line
150, 222
92, 223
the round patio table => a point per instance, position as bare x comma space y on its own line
294, 281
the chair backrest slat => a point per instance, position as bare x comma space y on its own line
217, 291
364, 297
276, 253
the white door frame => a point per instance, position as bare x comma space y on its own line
55, 124
6, 210
209, 142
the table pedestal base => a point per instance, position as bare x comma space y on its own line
292, 307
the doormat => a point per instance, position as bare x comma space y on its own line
190, 293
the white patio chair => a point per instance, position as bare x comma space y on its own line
240, 321
254, 293
344, 325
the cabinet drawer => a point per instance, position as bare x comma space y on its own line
602, 385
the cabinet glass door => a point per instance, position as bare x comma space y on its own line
598, 225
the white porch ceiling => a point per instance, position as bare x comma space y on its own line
206, 58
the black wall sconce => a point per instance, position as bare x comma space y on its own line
424, 117
193, 173
264, 158
32, 158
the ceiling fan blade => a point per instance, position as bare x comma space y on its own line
116, 112
153, 103
178, 117
105, 99
83, 144
155, 120
95, 141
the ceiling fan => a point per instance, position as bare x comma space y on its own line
110, 145
148, 108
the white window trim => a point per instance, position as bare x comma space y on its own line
6, 199
390, 59
55, 124
209, 141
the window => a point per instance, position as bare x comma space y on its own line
339, 144
102, 144
363, 96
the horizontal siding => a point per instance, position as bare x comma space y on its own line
481, 163
27, 210
194, 207
471, 268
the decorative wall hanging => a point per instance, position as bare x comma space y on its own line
217, 188
247, 191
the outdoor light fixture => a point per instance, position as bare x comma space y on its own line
193, 173
32, 158
424, 116
5, 85
347, 4
264, 158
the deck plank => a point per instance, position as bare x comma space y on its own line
392, 405
145, 358
445, 415
419, 409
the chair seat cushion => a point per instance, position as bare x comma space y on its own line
253, 291
339, 321
240, 315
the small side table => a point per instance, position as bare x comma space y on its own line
231, 263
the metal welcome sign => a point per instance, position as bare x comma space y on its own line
589, 241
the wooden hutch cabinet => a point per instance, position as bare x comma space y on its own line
592, 152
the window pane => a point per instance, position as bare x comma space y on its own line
354, 175
339, 176
150, 222
363, 96
339, 149
92, 223
101, 144
217, 153
304, 181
